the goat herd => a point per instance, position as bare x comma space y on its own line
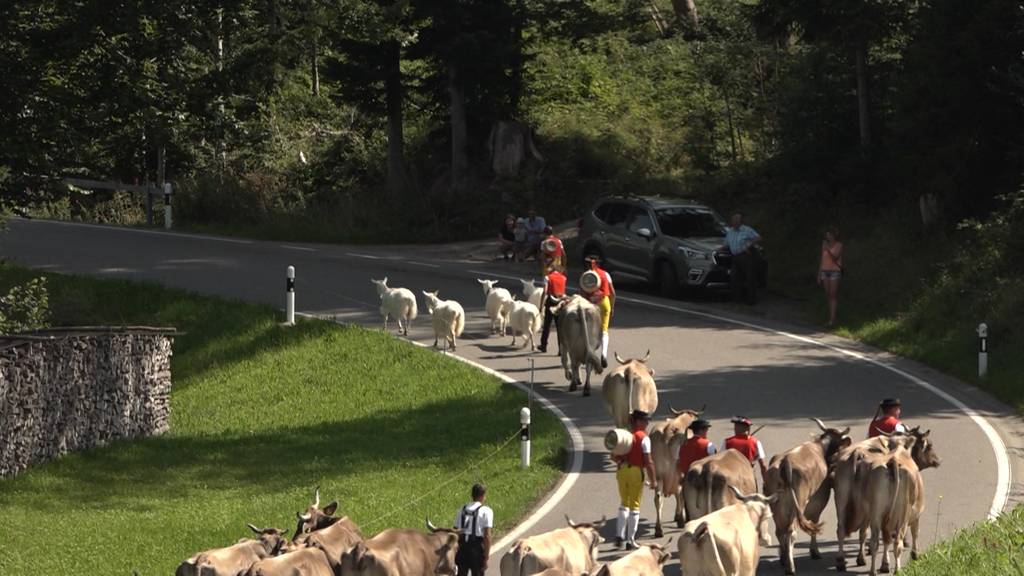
876, 484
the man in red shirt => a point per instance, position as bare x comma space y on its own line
887, 418
603, 296
552, 251
696, 447
744, 442
554, 290
630, 478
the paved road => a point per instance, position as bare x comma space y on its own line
778, 375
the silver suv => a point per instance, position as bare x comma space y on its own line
669, 242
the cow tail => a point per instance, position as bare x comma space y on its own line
894, 471
592, 357
705, 483
786, 473
629, 387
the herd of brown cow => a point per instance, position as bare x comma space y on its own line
876, 483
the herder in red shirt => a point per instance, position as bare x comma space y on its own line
630, 478
552, 251
697, 447
887, 418
554, 290
744, 442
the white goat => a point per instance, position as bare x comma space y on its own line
397, 302
449, 319
524, 319
531, 293
499, 304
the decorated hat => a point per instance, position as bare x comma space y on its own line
549, 245
890, 402
699, 424
590, 281
741, 420
639, 414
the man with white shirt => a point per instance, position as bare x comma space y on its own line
474, 522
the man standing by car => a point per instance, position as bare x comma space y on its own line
741, 239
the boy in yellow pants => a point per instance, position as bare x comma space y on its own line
630, 477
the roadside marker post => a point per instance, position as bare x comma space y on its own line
982, 350
167, 205
524, 437
290, 297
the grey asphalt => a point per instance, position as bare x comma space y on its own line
775, 373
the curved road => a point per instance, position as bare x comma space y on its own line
778, 375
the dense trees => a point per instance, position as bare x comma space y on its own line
313, 107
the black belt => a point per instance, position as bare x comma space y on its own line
472, 539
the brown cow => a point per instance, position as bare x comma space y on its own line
315, 518
235, 560
704, 489
628, 387
644, 561
666, 438
800, 479
578, 323
403, 552
848, 483
895, 495
573, 549
727, 541
302, 562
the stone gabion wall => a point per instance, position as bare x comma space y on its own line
65, 391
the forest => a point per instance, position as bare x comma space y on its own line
899, 121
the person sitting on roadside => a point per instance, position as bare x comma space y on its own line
535, 226
521, 247
507, 237
552, 251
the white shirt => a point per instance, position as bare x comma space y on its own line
645, 446
711, 448
484, 519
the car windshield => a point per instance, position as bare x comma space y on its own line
690, 222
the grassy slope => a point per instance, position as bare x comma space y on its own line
261, 415
987, 548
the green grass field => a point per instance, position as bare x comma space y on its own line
262, 414
990, 548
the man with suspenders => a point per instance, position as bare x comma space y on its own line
474, 522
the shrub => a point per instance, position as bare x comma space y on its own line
25, 307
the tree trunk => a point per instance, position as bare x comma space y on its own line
732, 131
314, 70
862, 98
460, 162
396, 140
686, 13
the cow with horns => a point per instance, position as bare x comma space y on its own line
666, 438
628, 387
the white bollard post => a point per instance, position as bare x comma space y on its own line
982, 350
524, 437
167, 205
290, 297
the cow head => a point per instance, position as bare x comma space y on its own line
661, 553
832, 440
759, 507
381, 285
487, 285
590, 533
642, 361
431, 298
315, 517
447, 550
920, 446
677, 428
272, 539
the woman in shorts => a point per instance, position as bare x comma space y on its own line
830, 270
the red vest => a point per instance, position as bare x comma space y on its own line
746, 445
556, 284
558, 243
885, 424
604, 289
636, 451
692, 450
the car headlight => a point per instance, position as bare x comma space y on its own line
694, 254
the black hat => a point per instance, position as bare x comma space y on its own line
700, 423
890, 402
638, 414
741, 420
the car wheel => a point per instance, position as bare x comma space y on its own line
668, 280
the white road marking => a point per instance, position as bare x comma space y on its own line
486, 275
369, 256
141, 231
1003, 478
303, 248
422, 264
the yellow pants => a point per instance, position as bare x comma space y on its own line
605, 305
631, 485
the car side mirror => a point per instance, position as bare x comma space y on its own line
645, 233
